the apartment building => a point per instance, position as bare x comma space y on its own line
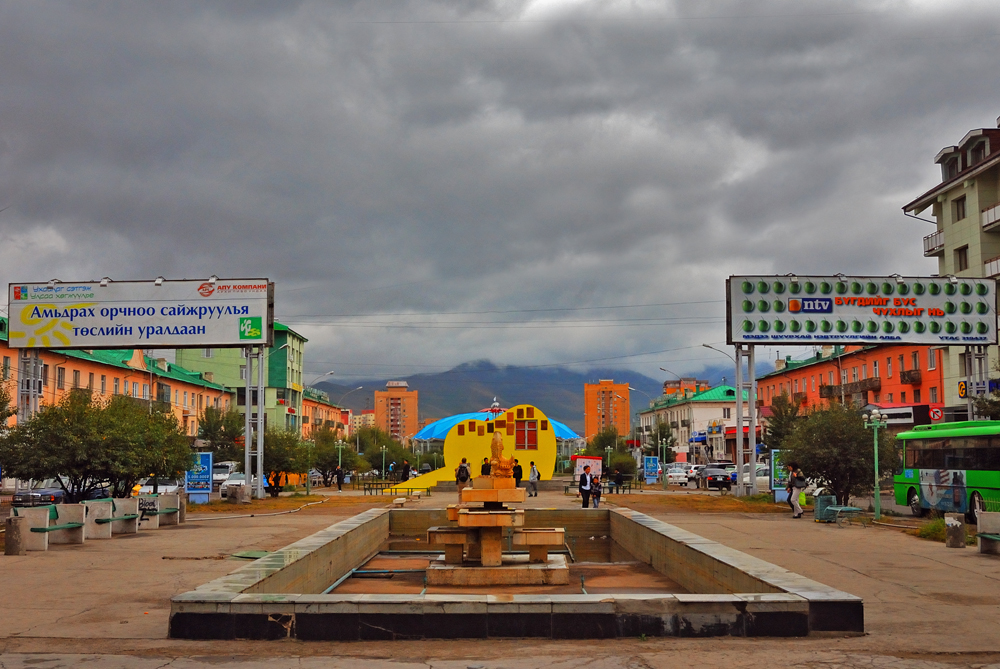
699, 422
397, 410
126, 372
605, 404
965, 206
364, 419
318, 412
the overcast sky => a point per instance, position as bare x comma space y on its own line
532, 182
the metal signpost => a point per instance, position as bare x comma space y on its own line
862, 310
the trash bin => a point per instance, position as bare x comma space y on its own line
822, 514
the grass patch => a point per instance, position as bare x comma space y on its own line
935, 531
762, 503
273, 504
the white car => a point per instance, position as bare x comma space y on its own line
677, 476
164, 486
235, 479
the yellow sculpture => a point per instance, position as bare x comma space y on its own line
500, 467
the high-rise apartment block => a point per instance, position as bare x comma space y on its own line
605, 404
396, 410
966, 242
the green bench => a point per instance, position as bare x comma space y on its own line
114, 509
57, 524
848, 513
986, 535
160, 509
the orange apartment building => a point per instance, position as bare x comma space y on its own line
319, 412
397, 410
118, 372
605, 404
887, 376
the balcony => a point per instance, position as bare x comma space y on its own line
934, 244
910, 377
991, 219
834, 392
991, 268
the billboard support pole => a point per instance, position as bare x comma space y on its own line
260, 421
247, 424
29, 383
738, 442
752, 407
976, 384
746, 454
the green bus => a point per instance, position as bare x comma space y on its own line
952, 467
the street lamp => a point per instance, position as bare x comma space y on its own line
340, 451
383, 449
608, 450
321, 376
874, 421
739, 452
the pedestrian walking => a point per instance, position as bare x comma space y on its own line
339, 473
462, 476
517, 473
585, 480
485, 469
595, 491
619, 481
533, 478
405, 471
796, 484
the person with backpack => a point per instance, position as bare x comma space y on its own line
462, 476
796, 484
533, 478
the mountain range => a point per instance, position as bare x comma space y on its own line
471, 386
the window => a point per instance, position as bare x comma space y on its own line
186, 403
797, 390
961, 258
830, 384
207, 353
76, 378
116, 392
951, 169
243, 377
915, 359
854, 379
126, 388
875, 371
888, 371
931, 358
526, 435
90, 381
6, 370
45, 375
916, 395
135, 389
104, 389
843, 376
814, 390
934, 399
145, 396
61, 380
888, 398
864, 375
728, 413
978, 154
902, 398
877, 398
959, 208
902, 364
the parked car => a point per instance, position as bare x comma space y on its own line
164, 486
220, 472
237, 479
426, 468
716, 478
677, 476
692, 473
48, 491
762, 475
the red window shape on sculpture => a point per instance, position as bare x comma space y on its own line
526, 437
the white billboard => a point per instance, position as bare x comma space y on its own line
861, 310
210, 313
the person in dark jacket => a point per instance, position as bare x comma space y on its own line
518, 474
585, 480
485, 469
339, 473
619, 480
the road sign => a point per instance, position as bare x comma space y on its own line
936, 413
963, 391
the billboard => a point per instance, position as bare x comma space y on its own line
211, 313
861, 310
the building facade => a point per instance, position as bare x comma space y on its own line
966, 240
127, 372
397, 410
364, 419
318, 412
605, 404
283, 390
698, 421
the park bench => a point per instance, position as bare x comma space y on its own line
159, 509
399, 502
57, 524
606, 488
988, 532
847, 513
106, 517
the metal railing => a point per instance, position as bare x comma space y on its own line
991, 268
934, 242
991, 216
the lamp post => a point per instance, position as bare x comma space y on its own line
751, 436
383, 449
874, 421
340, 451
609, 450
322, 376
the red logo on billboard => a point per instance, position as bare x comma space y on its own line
206, 289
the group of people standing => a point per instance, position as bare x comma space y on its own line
590, 486
463, 475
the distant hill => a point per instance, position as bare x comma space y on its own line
472, 386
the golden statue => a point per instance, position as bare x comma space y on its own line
500, 467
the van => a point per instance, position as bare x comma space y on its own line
221, 472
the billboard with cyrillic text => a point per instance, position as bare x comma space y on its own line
210, 313
805, 310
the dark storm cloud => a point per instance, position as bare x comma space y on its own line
428, 157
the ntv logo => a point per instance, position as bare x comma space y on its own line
812, 305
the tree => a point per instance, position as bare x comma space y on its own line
664, 434
609, 436
784, 419
140, 443
6, 409
833, 447
326, 455
283, 453
221, 430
